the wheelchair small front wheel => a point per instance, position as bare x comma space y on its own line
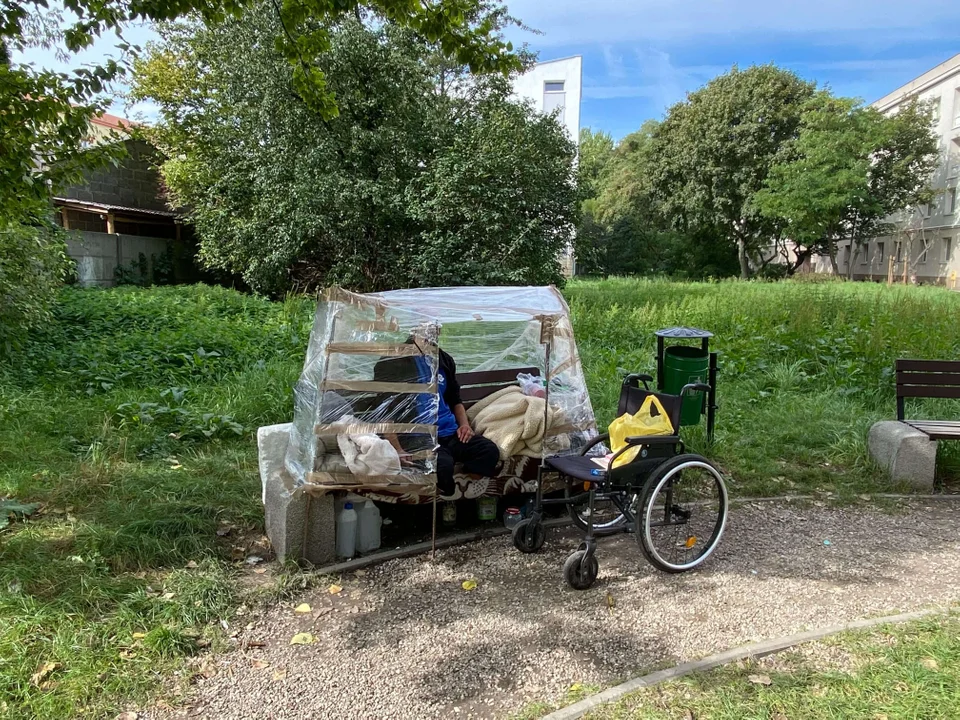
581, 572
529, 535
683, 513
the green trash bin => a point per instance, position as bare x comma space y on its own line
682, 365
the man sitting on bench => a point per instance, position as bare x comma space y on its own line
456, 441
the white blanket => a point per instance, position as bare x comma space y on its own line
514, 422
368, 454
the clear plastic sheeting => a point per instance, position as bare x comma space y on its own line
369, 383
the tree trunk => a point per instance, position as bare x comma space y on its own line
833, 260
744, 261
853, 259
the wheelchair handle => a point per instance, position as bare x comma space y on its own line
633, 378
694, 387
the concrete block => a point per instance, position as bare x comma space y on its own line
299, 528
908, 455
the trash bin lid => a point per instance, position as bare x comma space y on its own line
683, 332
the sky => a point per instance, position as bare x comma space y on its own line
641, 56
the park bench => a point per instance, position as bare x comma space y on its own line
907, 449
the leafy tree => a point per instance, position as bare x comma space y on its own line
422, 177
849, 169
595, 154
712, 153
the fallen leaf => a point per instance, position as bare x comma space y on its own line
208, 670
260, 571
43, 672
930, 664
126, 654
260, 664
139, 636
304, 638
881, 716
302, 608
760, 679
335, 589
168, 596
469, 584
280, 674
688, 715
192, 565
321, 612
128, 715
611, 601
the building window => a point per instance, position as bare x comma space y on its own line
956, 108
899, 252
555, 98
947, 249
846, 256
934, 207
935, 110
951, 201
923, 255
879, 252
953, 158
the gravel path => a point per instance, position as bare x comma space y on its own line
404, 640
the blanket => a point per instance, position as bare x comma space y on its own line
368, 454
514, 422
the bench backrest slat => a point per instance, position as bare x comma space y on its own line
926, 379
475, 386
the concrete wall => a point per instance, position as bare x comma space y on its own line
134, 183
98, 254
530, 86
931, 268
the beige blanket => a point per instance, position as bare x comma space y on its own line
514, 422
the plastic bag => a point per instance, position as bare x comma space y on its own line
531, 385
642, 422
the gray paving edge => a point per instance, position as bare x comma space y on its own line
754, 650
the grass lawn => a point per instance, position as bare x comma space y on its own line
131, 418
908, 671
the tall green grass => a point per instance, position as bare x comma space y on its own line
132, 415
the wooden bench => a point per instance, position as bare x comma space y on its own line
929, 379
475, 386
907, 449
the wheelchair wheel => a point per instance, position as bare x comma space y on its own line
579, 574
529, 535
683, 513
606, 515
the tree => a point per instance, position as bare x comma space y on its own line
595, 153
712, 153
847, 172
414, 181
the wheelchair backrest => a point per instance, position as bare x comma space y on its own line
632, 397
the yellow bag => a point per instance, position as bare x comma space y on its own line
642, 422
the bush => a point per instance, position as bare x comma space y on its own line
33, 265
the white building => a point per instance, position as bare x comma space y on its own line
555, 85
552, 85
929, 252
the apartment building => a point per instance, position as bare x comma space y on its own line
925, 248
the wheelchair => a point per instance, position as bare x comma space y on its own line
674, 502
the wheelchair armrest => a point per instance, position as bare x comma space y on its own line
694, 387
641, 377
652, 440
603, 437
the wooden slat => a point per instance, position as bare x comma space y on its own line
493, 376
928, 392
376, 428
937, 430
928, 365
473, 394
935, 379
382, 349
380, 387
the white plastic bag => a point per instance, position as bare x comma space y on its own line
531, 385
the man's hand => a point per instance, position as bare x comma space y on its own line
465, 433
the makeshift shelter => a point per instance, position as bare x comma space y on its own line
371, 375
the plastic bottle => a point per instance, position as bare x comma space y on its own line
511, 517
347, 531
368, 527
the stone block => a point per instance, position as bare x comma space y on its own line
299, 527
907, 454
